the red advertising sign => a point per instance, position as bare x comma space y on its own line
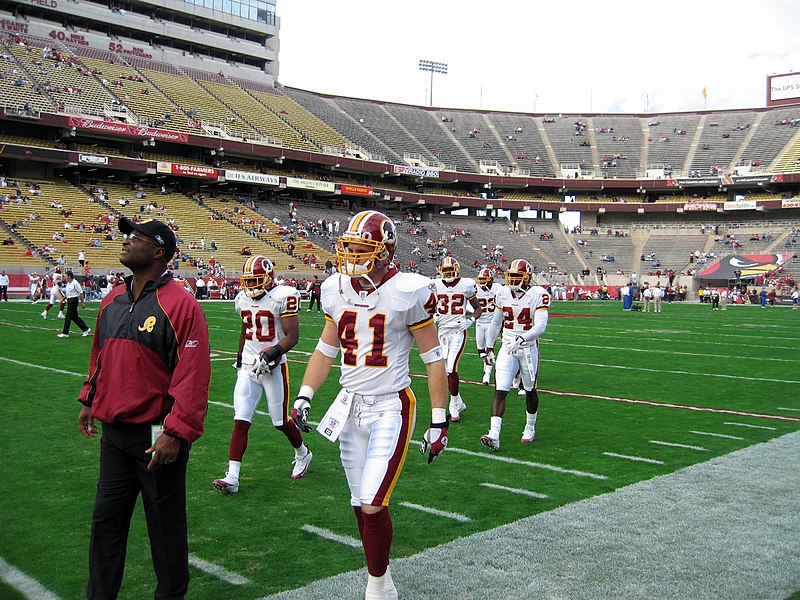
125, 129
356, 190
195, 171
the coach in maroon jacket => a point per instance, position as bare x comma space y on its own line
148, 384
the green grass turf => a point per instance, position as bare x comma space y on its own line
743, 359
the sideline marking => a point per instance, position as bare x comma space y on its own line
675, 352
503, 488
673, 445
651, 461
334, 537
225, 405
217, 571
719, 435
668, 372
27, 586
524, 463
438, 513
51, 369
750, 426
790, 409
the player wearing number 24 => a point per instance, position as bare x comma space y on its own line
373, 315
270, 328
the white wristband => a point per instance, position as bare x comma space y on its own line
432, 355
327, 349
306, 391
438, 415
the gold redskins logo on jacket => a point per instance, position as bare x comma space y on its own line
148, 325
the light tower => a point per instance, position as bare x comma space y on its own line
433, 67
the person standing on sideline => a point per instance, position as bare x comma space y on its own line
714, 298
658, 295
314, 287
200, 287
373, 315
763, 297
33, 286
522, 315
74, 293
4, 286
723, 298
627, 296
149, 421
795, 297
647, 295
56, 295
270, 328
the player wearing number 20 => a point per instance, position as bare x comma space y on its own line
270, 328
373, 315
521, 314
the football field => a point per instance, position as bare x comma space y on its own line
665, 466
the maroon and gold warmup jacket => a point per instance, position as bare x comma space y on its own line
150, 360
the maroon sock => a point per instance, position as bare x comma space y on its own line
359, 520
292, 433
377, 540
452, 384
238, 440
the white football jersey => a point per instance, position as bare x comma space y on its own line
486, 300
452, 300
519, 312
375, 327
262, 318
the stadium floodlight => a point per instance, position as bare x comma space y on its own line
432, 67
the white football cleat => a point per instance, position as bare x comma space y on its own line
520, 392
490, 442
301, 465
486, 379
456, 408
63, 335
227, 485
61, 314
86, 333
43, 314
528, 435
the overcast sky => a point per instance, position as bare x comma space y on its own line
624, 56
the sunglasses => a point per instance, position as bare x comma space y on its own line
135, 238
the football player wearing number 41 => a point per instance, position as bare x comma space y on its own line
521, 314
373, 315
452, 296
270, 328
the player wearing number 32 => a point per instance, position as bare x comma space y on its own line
373, 315
453, 294
521, 314
270, 328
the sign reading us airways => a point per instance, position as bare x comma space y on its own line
248, 177
187, 170
125, 129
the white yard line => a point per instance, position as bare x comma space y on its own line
503, 488
435, 511
750, 426
217, 571
27, 586
334, 537
43, 368
718, 435
789, 409
666, 371
674, 445
651, 461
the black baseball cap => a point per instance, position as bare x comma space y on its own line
160, 232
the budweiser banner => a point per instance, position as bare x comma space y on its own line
188, 170
248, 177
310, 184
125, 129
